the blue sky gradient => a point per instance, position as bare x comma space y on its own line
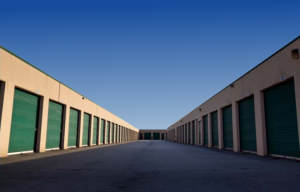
148, 62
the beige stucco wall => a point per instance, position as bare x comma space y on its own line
265, 75
16, 73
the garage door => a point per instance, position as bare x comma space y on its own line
112, 133
186, 133
189, 133
102, 131
54, 127
193, 132
156, 136
147, 136
281, 120
227, 127
73, 128
247, 125
86, 128
95, 130
214, 126
107, 132
24, 122
162, 136
205, 128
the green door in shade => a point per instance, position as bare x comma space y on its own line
102, 131
214, 126
189, 133
147, 136
95, 130
54, 127
186, 134
116, 134
73, 128
205, 127
107, 132
162, 136
86, 128
156, 136
281, 120
112, 133
247, 125
194, 134
24, 122
227, 127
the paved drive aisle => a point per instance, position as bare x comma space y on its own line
150, 166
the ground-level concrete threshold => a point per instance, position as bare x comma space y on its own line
148, 166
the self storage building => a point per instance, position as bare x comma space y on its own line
257, 113
39, 113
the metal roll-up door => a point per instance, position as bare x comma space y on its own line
162, 136
193, 132
86, 128
214, 126
24, 122
247, 125
107, 132
73, 128
156, 136
227, 127
281, 120
112, 133
95, 130
205, 128
147, 136
102, 131
189, 133
186, 133
54, 127
116, 135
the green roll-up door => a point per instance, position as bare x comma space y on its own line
107, 132
86, 128
227, 127
95, 130
54, 127
281, 120
247, 125
156, 136
199, 123
189, 133
147, 136
112, 137
194, 134
162, 136
214, 126
205, 128
102, 131
116, 135
24, 122
186, 134
73, 128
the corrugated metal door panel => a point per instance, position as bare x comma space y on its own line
54, 127
189, 133
147, 136
247, 124
227, 127
156, 136
205, 127
281, 120
102, 131
214, 126
194, 134
112, 132
73, 128
163, 136
24, 122
95, 130
86, 128
107, 132
186, 134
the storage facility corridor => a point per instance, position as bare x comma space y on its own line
148, 166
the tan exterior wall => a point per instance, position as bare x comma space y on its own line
267, 74
16, 73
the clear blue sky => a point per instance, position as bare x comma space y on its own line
150, 62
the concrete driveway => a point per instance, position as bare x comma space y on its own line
148, 166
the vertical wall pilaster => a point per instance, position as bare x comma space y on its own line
7, 110
235, 127
261, 140
81, 114
65, 134
43, 122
